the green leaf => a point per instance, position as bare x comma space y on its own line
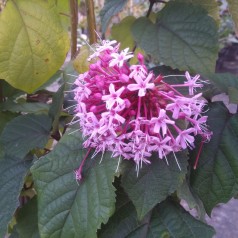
111, 8
185, 192
56, 107
226, 82
25, 133
210, 6
36, 48
166, 220
233, 9
27, 222
216, 178
12, 173
122, 32
26, 107
68, 209
5, 117
184, 37
233, 95
154, 182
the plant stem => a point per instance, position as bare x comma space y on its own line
152, 2
1, 91
74, 25
91, 22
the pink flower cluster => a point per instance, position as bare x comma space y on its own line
132, 113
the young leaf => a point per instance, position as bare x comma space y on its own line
165, 220
27, 222
25, 133
184, 37
216, 178
111, 8
12, 173
68, 209
154, 182
36, 48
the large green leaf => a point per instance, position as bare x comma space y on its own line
166, 220
154, 183
33, 43
12, 172
25, 133
27, 222
68, 209
216, 178
111, 8
184, 37
233, 9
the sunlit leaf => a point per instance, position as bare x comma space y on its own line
33, 43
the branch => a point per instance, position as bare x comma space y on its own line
91, 22
74, 25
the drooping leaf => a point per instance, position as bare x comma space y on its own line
154, 182
68, 209
166, 220
12, 173
233, 9
111, 8
25, 133
216, 178
184, 37
27, 222
33, 43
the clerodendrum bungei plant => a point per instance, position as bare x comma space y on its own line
124, 139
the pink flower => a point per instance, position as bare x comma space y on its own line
161, 122
193, 82
132, 113
142, 85
120, 58
113, 97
